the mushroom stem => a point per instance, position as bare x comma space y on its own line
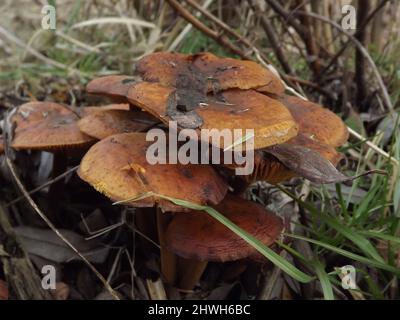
168, 259
190, 272
56, 189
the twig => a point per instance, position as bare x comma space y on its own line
309, 41
187, 28
381, 84
226, 28
206, 30
360, 70
44, 185
345, 46
273, 40
10, 165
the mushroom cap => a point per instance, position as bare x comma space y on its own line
47, 126
108, 122
164, 67
115, 87
244, 109
317, 122
197, 235
117, 167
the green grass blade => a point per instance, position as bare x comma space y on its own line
275, 258
324, 280
350, 255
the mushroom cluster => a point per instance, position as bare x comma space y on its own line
200, 91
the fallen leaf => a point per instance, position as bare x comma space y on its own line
310, 164
45, 243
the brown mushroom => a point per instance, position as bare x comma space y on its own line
198, 238
47, 126
225, 73
316, 122
320, 130
197, 235
117, 167
108, 122
243, 109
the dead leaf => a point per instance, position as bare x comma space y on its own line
310, 164
45, 243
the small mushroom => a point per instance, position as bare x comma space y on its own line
117, 167
197, 235
108, 122
47, 126
242, 109
198, 238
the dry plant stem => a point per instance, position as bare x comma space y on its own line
44, 185
273, 39
360, 47
360, 75
18, 269
10, 165
345, 46
168, 259
309, 41
226, 28
190, 272
211, 33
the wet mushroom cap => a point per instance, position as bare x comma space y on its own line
317, 122
243, 109
119, 167
108, 122
227, 73
197, 235
47, 126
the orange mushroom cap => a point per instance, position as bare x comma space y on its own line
115, 87
197, 235
317, 122
244, 109
47, 126
117, 167
108, 122
164, 67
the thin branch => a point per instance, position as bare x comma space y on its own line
44, 185
385, 94
345, 46
206, 30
